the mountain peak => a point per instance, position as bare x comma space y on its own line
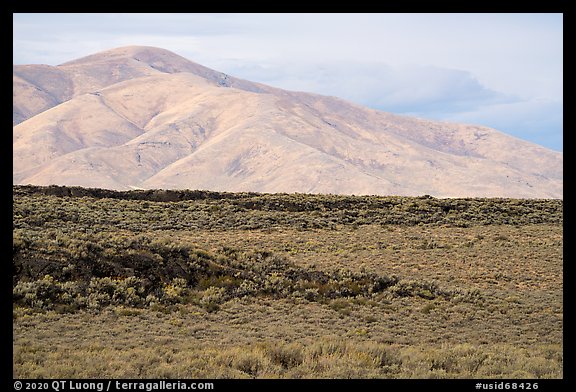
146, 54
145, 117
149, 59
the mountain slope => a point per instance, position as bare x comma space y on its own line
141, 117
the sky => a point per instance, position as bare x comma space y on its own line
504, 71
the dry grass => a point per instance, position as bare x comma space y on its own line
502, 316
263, 340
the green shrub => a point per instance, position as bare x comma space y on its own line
212, 297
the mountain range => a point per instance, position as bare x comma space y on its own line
142, 117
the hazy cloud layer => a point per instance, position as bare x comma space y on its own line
407, 89
501, 70
524, 119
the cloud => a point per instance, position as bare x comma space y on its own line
537, 120
408, 89
422, 91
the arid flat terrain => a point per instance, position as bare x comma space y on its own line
191, 284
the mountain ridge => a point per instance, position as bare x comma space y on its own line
143, 117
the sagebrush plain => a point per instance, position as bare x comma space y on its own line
192, 284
